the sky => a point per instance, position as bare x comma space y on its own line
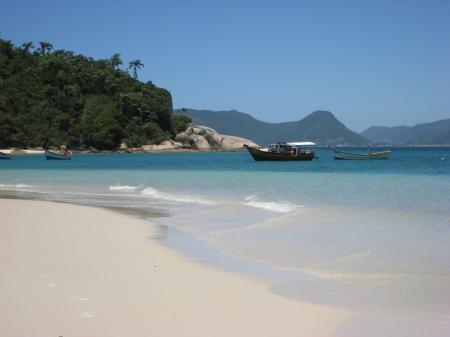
369, 62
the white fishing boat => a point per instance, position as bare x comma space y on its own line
51, 155
4, 155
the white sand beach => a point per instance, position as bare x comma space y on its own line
68, 270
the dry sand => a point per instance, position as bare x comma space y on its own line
68, 270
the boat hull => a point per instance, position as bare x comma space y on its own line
342, 155
260, 155
49, 155
4, 156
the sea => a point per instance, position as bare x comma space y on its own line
371, 236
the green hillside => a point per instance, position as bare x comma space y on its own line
50, 98
320, 127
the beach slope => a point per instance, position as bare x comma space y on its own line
69, 270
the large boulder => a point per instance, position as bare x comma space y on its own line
199, 130
198, 142
183, 138
204, 138
214, 140
233, 143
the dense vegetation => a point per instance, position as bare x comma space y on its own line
51, 98
320, 127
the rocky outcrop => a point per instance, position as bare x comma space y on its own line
233, 143
167, 145
203, 138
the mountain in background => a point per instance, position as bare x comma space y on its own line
435, 133
320, 127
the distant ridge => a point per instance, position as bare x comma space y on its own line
434, 133
321, 127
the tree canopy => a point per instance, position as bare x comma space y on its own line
54, 97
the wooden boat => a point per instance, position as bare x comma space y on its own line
342, 155
50, 155
4, 155
283, 152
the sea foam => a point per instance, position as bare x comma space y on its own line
154, 193
122, 188
279, 207
16, 186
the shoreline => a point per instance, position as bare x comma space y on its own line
105, 273
36, 151
78, 151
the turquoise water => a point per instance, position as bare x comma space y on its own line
344, 233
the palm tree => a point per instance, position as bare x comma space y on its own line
27, 46
46, 47
135, 65
115, 60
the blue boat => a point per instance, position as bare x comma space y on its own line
50, 155
4, 155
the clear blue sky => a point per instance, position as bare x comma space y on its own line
369, 62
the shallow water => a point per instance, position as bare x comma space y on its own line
351, 234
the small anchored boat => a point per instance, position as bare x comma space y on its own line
50, 155
295, 151
4, 155
342, 155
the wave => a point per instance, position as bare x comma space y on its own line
15, 185
154, 193
278, 207
23, 185
122, 188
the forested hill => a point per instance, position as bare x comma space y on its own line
55, 97
321, 127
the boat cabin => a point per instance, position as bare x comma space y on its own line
293, 148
